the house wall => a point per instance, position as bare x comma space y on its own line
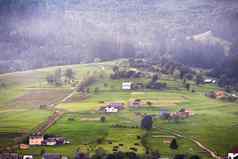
36, 141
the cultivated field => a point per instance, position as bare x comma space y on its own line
214, 123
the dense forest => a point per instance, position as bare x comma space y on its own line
44, 33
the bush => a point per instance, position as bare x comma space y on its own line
147, 122
71, 119
99, 140
103, 119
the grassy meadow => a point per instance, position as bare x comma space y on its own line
214, 123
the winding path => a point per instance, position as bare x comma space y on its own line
195, 141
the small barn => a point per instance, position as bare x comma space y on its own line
126, 85
28, 157
36, 140
51, 156
209, 80
164, 113
118, 106
110, 109
219, 94
186, 111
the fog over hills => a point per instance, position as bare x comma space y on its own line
37, 34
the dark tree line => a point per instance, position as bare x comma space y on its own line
60, 77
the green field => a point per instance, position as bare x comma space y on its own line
214, 123
17, 122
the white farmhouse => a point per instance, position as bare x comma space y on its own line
126, 85
27, 157
208, 80
109, 109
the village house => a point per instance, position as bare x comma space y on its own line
112, 107
36, 140
50, 142
181, 114
118, 106
216, 94
28, 157
52, 156
186, 111
24, 146
219, 94
9, 156
126, 85
164, 113
81, 156
137, 86
209, 80
40, 141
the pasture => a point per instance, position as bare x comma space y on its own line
18, 122
214, 122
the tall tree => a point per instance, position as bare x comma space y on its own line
147, 122
173, 146
58, 77
69, 74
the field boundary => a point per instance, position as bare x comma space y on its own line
210, 152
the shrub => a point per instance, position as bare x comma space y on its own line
147, 122
103, 119
99, 140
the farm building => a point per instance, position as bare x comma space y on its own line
137, 86
50, 142
219, 94
118, 106
183, 113
216, 94
186, 111
51, 156
24, 146
27, 157
110, 109
36, 140
81, 156
164, 113
209, 80
9, 156
126, 85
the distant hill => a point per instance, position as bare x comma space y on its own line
44, 33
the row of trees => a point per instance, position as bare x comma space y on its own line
60, 77
119, 73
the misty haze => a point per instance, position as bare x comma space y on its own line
118, 79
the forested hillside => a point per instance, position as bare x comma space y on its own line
43, 33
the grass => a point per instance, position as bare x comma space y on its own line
215, 122
24, 91
16, 122
184, 146
82, 106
